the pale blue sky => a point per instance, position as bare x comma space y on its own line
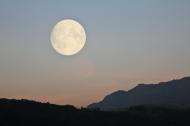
128, 42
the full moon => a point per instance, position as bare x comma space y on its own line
68, 37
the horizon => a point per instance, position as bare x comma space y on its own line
100, 99
127, 43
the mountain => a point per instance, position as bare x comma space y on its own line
32, 113
175, 93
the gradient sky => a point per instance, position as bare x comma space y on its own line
128, 42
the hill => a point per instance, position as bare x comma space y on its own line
31, 113
172, 93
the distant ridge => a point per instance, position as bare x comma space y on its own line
30, 103
31, 113
174, 92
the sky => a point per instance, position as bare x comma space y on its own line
128, 42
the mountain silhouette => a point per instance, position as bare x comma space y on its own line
163, 104
32, 113
172, 93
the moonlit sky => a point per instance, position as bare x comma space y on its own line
128, 42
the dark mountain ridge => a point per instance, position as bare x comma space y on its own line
147, 108
175, 92
32, 113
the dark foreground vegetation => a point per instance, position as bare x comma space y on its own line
31, 113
